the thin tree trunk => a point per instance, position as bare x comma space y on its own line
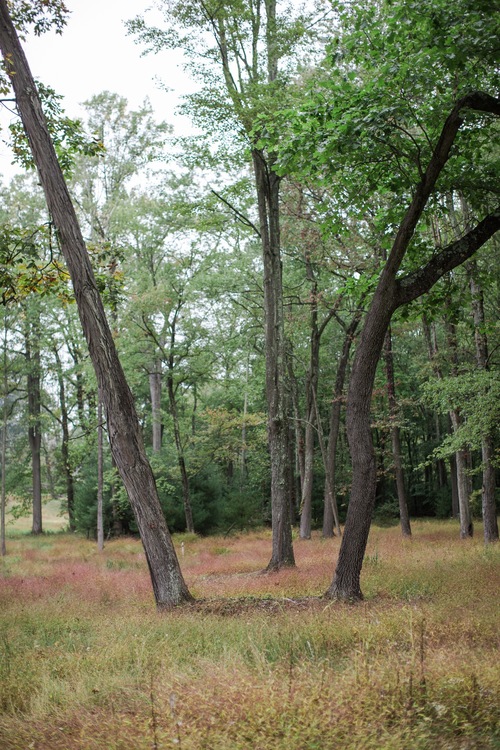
123, 425
463, 483
395, 435
32, 339
311, 391
186, 495
490, 523
331, 454
70, 489
155, 393
100, 476
5, 415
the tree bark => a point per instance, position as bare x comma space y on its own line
155, 393
68, 473
186, 495
395, 436
32, 339
100, 476
490, 523
123, 425
390, 294
5, 414
267, 185
463, 482
330, 509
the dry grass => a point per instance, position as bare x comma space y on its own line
259, 662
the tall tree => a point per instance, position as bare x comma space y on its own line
379, 103
250, 44
123, 426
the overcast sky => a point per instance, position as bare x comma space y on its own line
95, 54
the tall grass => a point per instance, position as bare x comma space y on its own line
259, 661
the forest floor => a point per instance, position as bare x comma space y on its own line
258, 661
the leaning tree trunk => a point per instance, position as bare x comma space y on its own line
392, 292
123, 425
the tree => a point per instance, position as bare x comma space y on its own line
250, 42
123, 427
381, 103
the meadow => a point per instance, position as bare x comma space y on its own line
258, 662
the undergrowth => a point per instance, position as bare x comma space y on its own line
258, 661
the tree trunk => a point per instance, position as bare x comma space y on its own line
186, 495
34, 415
123, 425
5, 414
490, 523
463, 483
395, 436
330, 501
100, 476
70, 490
392, 292
267, 184
155, 392
311, 394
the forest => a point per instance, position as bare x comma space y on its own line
239, 362
304, 297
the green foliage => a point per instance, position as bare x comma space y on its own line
68, 136
477, 396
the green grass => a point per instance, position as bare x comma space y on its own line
259, 662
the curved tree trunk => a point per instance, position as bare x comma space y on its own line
390, 294
123, 425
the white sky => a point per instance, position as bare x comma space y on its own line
95, 54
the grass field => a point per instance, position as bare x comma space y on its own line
259, 662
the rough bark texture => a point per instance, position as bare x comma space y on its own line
391, 293
267, 185
123, 425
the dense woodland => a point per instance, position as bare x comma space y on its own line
325, 246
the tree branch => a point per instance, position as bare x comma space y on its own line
417, 283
